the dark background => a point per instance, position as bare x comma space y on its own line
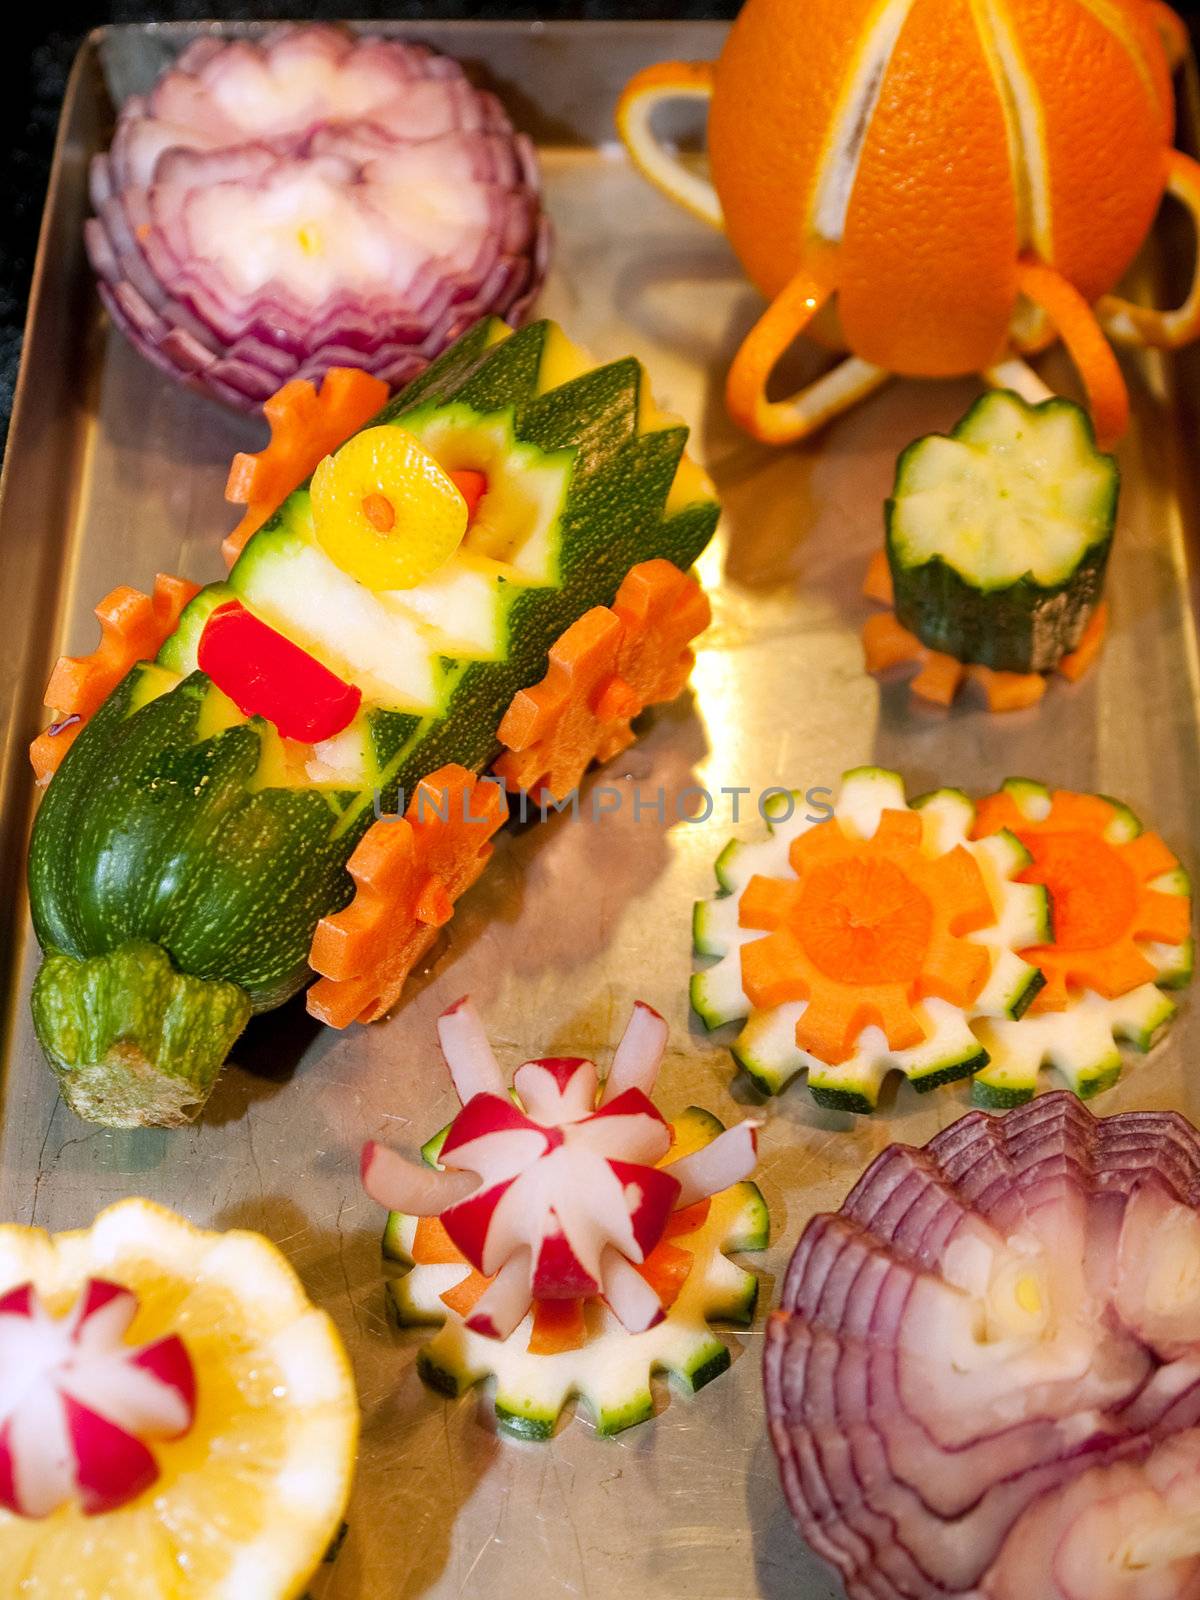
34, 76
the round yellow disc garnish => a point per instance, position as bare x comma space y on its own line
384, 510
249, 1499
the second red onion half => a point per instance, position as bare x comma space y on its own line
984, 1378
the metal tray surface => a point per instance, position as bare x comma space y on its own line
113, 473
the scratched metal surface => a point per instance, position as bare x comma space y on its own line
114, 473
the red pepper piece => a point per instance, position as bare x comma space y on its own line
266, 675
472, 485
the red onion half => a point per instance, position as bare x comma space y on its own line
984, 1380
277, 207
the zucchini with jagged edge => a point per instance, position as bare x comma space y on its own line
612, 1370
998, 535
175, 822
771, 1046
1120, 937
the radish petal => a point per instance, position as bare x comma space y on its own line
505, 1303
639, 1054
558, 1089
630, 1298
402, 1185
732, 1156
467, 1052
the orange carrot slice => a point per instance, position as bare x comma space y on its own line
558, 1326
465, 1296
877, 585
433, 1246
472, 486
1104, 907
939, 679
408, 873
1082, 658
603, 672
305, 427
690, 1220
1009, 691
666, 1270
133, 627
867, 928
887, 643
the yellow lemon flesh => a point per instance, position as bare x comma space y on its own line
249, 1500
385, 511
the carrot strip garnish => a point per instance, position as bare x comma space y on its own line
1080, 660
465, 1296
865, 930
939, 679
1104, 909
408, 873
603, 672
133, 628
888, 643
305, 428
433, 1246
690, 1220
877, 585
666, 1270
558, 1326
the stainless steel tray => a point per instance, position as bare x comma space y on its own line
113, 472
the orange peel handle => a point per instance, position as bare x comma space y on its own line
668, 80
408, 873
133, 628
305, 426
1173, 32
785, 421
1142, 325
1091, 352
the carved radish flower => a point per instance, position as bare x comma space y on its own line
559, 1196
78, 1404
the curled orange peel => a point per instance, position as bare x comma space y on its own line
1075, 320
865, 930
1100, 889
133, 628
604, 671
887, 643
408, 874
305, 426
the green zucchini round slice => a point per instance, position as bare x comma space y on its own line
998, 534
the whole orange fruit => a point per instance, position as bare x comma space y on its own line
929, 165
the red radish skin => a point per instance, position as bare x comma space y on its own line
567, 1195
80, 1425
267, 675
982, 1349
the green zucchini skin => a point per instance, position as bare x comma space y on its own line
129, 1036
1026, 625
148, 835
153, 837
